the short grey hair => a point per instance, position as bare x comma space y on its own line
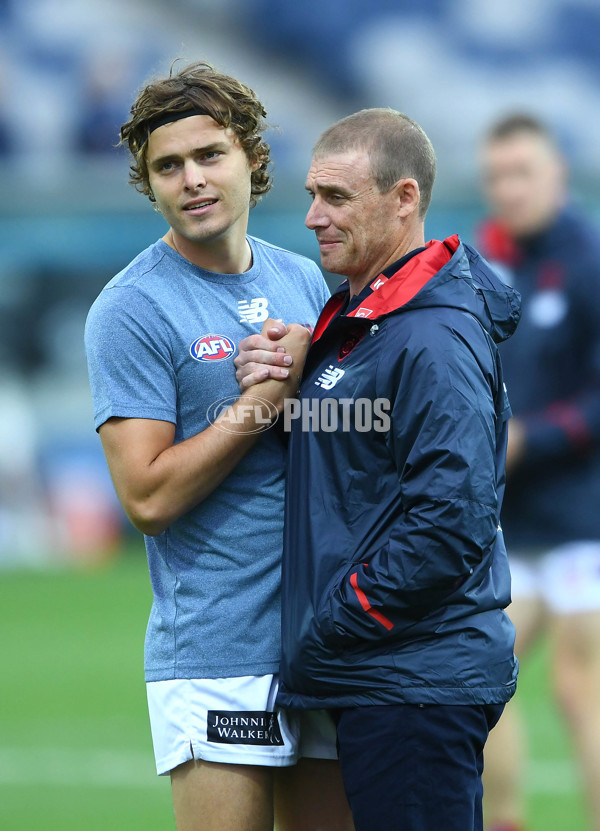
398, 148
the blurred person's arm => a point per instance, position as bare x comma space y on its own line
515, 447
568, 428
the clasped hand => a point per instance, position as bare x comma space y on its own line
275, 355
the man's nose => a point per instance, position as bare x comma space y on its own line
193, 176
315, 218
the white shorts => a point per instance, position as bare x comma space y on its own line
233, 720
566, 578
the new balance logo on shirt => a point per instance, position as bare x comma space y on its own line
255, 311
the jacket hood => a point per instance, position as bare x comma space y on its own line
447, 273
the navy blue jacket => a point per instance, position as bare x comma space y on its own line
395, 574
552, 370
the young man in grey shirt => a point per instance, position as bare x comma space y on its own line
194, 468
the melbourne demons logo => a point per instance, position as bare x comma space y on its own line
212, 348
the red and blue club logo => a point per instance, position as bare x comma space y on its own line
212, 348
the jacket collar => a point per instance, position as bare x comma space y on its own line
389, 293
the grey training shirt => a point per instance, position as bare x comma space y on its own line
160, 342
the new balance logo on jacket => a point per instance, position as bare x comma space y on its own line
329, 377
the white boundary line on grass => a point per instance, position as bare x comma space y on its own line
134, 769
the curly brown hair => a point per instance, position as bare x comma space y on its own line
199, 86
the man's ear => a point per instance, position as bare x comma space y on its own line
255, 163
408, 196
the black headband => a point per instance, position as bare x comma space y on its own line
168, 118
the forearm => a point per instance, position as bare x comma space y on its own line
183, 475
157, 488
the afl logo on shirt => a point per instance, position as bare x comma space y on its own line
212, 348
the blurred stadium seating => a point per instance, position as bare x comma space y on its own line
68, 220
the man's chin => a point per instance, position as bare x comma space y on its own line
205, 235
332, 264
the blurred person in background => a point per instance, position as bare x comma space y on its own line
106, 75
550, 253
209, 497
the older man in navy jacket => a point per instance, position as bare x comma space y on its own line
395, 575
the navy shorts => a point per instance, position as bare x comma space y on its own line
415, 767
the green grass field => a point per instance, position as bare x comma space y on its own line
75, 749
